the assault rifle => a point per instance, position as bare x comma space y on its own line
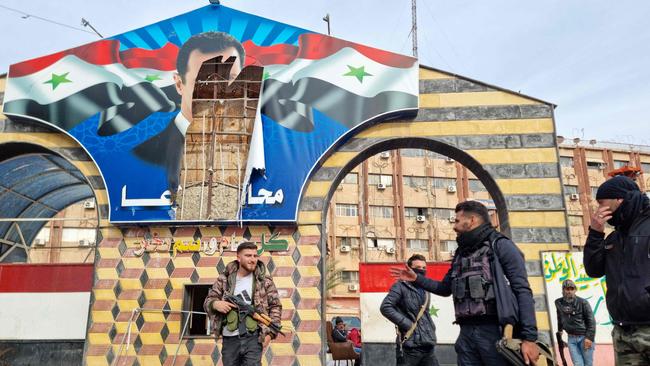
561, 345
249, 310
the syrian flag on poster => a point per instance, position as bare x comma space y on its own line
68, 87
348, 82
375, 283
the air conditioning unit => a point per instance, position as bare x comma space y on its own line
84, 243
390, 250
89, 204
345, 249
452, 219
451, 189
420, 218
574, 197
353, 287
384, 155
39, 241
381, 186
449, 160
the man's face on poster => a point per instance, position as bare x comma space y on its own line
194, 63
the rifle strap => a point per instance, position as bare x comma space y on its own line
411, 330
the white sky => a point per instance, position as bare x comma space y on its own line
588, 57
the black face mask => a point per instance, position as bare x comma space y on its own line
421, 272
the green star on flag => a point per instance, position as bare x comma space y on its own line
357, 72
152, 78
58, 79
434, 311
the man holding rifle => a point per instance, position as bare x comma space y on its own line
244, 308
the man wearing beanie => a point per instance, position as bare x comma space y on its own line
624, 258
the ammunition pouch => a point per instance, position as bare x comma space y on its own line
232, 321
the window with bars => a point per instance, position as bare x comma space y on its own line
374, 179
570, 189
475, 185
349, 241
415, 211
645, 167
349, 276
443, 182
413, 153
566, 161
443, 213
378, 243
414, 182
448, 246
343, 209
385, 212
417, 244
620, 163
351, 178
193, 298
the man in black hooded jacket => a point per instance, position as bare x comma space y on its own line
402, 306
624, 258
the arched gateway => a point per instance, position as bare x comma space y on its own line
141, 287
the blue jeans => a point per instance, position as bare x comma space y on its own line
579, 355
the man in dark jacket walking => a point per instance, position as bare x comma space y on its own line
574, 316
407, 307
624, 258
472, 279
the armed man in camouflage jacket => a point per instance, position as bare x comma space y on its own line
244, 338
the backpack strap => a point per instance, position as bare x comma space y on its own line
411, 330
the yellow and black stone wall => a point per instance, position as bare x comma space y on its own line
506, 139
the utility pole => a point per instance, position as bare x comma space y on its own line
86, 23
326, 19
414, 27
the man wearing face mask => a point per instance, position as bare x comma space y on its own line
624, 258
407, 306
471, 280
574, 316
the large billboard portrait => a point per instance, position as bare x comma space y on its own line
213, 115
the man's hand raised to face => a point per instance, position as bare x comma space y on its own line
404, 274
600, 217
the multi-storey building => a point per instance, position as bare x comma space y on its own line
401, 202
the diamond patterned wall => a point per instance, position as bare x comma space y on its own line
154, 281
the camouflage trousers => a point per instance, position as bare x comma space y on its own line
632, 345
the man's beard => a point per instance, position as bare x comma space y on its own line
569, 298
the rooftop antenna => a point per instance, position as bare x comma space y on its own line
86, 23
414, 27
326, 19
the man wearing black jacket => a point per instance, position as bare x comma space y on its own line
574, 316
416, 338
471, 280
624, 258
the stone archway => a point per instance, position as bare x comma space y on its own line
505, 138
45, 172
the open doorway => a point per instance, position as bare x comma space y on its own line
392, 205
